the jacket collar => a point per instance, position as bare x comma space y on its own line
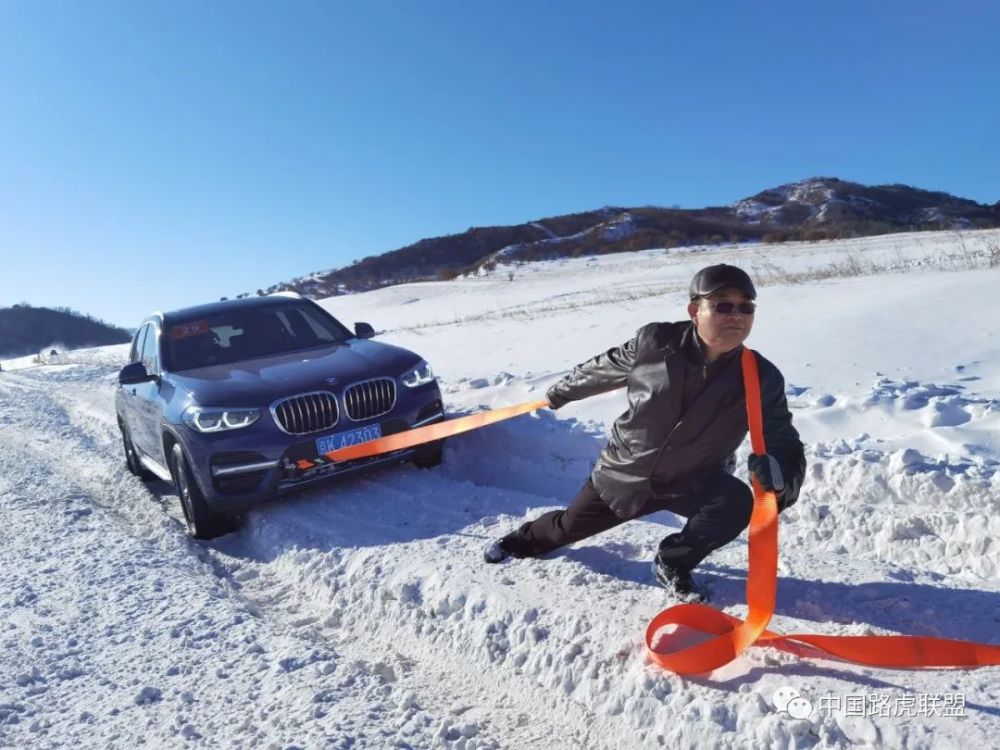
695, 349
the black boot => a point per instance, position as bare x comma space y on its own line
494, 552
678, 582
511, 545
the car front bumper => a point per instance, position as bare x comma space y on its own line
245, 469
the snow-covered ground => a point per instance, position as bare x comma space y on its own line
360, 614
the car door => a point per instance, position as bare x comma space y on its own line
148, 409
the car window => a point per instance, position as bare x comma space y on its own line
135, 353
303, 325
298, 317
249, 333
150, 357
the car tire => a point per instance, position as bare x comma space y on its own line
132, 461
202, 522
429, 456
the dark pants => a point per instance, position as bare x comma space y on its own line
717, 506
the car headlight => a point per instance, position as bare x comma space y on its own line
206, 419
419, 375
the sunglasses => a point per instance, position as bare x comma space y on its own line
729, 308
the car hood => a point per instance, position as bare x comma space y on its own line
258, 382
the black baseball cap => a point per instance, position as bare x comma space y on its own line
713, 278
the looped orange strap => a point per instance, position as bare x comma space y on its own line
732, 636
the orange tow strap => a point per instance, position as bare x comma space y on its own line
426, 434
732, 636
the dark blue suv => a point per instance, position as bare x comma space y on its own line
223, 400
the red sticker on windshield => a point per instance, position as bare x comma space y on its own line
189, 329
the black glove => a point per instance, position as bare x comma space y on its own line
554, 401
768, 473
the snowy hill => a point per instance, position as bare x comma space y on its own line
25, 329
819, 208
360, 614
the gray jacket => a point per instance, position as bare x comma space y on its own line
660, 439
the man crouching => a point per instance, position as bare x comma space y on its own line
673, 449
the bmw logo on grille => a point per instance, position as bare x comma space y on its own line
332, 381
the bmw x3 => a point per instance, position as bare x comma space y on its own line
225, 400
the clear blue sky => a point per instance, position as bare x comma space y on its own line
159, 154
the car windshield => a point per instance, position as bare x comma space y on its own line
248, 333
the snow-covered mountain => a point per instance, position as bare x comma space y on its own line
361, 614
815, 209
834, 205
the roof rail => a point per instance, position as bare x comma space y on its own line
292, 295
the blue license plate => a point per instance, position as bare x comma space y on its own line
340, 440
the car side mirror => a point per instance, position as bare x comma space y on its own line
134, 373
363, 330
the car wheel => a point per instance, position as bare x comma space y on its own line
202, 522
429, 456
132, 457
